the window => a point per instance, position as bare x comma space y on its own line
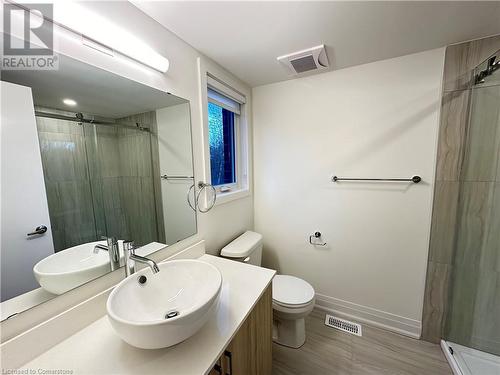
226, 135
221, 135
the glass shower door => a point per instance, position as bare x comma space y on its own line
99, 180
63, 148
122, 181
474, 315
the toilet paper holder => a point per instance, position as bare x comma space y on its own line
316, 235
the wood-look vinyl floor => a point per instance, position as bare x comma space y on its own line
332, 352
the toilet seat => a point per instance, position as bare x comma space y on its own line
291, 292
288, 306
292, 313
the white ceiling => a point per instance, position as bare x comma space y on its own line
96, 91
246, 37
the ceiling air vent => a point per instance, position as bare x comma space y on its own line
306, 60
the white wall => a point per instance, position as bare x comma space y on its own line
374, 120
182, 79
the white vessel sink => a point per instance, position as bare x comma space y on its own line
71, 267
169, 307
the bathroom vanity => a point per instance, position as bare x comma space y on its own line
237, 339
250, 351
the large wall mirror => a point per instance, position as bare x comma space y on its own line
86, 156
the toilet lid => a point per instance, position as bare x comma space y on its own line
291, 290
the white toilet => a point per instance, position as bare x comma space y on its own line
293, 298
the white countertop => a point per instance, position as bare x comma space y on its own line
39, 295
96, 349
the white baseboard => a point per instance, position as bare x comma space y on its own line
370, 316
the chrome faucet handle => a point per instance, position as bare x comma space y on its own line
115, 253
112, 248
110, 240
128, 251
131, 257
100, 247
128, 245
149, 262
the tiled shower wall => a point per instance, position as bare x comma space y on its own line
140, 179
461, 199
99, 181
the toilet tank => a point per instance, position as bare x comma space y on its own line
246, 248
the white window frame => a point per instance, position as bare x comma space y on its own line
220, 81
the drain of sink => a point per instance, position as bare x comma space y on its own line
142, 279
171, 314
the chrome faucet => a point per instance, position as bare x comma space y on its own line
131, 258
112, 249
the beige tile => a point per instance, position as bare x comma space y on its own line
498, 165
490, 251
139, 208
452, 133
444, 219
435, 301
457, 69
462, 301
480, 162
474, 212
108, 157
63, 156
155, 156
486, 322
50, 125
99, 209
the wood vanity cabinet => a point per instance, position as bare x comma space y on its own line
250, 351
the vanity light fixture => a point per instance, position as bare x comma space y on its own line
69, 15
69, 102
97, 46
103, 35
